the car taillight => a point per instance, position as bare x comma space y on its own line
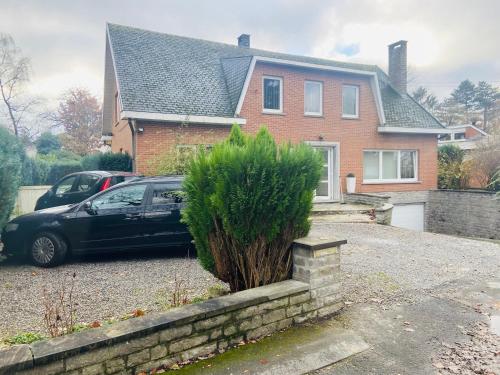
106, 184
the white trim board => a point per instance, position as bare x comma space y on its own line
373, 79
181, 118
395, 129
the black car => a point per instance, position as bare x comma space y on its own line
140, 213
76, 187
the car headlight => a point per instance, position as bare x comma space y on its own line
11, 227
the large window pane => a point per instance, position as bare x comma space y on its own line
370, 165
408, 159
272, 94
312, 98
349, 101
389, 165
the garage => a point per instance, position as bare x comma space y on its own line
409, 216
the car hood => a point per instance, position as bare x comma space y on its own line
45, 212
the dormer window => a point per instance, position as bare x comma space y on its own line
272, 88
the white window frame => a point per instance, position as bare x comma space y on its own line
398, 180
268, 110
349, 116
320, 113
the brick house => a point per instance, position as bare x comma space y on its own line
163, 91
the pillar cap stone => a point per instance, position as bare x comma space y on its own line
318, 243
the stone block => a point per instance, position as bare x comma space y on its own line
97, 369
247, 312
305, 317
216, 333
230, 330
199, 351
300, 298
274, 316
115, 365
328, 300
137, 358
271, 305
285, 323
326, 290
293, 310
262, 331
174, 333
187, 343
252, 323
53, 368
159, 351
330, 309
211, 322
148, 366
92, 357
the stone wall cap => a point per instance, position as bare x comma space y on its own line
60, 347
15, 359
318, 243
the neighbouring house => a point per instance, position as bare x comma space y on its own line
165, 92
464, 136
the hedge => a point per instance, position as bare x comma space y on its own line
108, 161
247, 200
60, 169
11, 161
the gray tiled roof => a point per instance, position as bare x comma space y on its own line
163, 73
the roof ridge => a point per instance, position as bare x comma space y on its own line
251, 49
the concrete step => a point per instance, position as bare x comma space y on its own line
344, 218
298, 350
340, 209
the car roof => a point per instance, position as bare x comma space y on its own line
158, 179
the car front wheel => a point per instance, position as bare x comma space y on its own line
47, 249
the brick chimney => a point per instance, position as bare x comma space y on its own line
398, 69
244, 41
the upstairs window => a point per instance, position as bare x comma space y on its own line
389, 166
458, 136
273, 94
313, 98
350, 101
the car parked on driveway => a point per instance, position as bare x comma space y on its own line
140, 213
76, 187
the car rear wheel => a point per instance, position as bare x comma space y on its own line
47, 249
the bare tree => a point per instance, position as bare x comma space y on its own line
14, 73
79, 114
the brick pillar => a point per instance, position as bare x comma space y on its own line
316, 261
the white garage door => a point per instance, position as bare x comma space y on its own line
409, 216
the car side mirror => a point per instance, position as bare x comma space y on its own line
87, 206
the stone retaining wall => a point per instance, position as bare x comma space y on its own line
375, 200
142, 344
466, 213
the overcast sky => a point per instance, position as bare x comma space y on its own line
448, 41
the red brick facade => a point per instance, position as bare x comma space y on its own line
353, 135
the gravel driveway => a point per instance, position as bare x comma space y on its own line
383, 261
379, 262
106, 286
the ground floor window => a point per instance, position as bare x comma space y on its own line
389, 165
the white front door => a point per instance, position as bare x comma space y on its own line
328, 185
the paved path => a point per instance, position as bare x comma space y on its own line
421, 300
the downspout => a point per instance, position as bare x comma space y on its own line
133, 129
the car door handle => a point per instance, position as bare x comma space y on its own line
132, 216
